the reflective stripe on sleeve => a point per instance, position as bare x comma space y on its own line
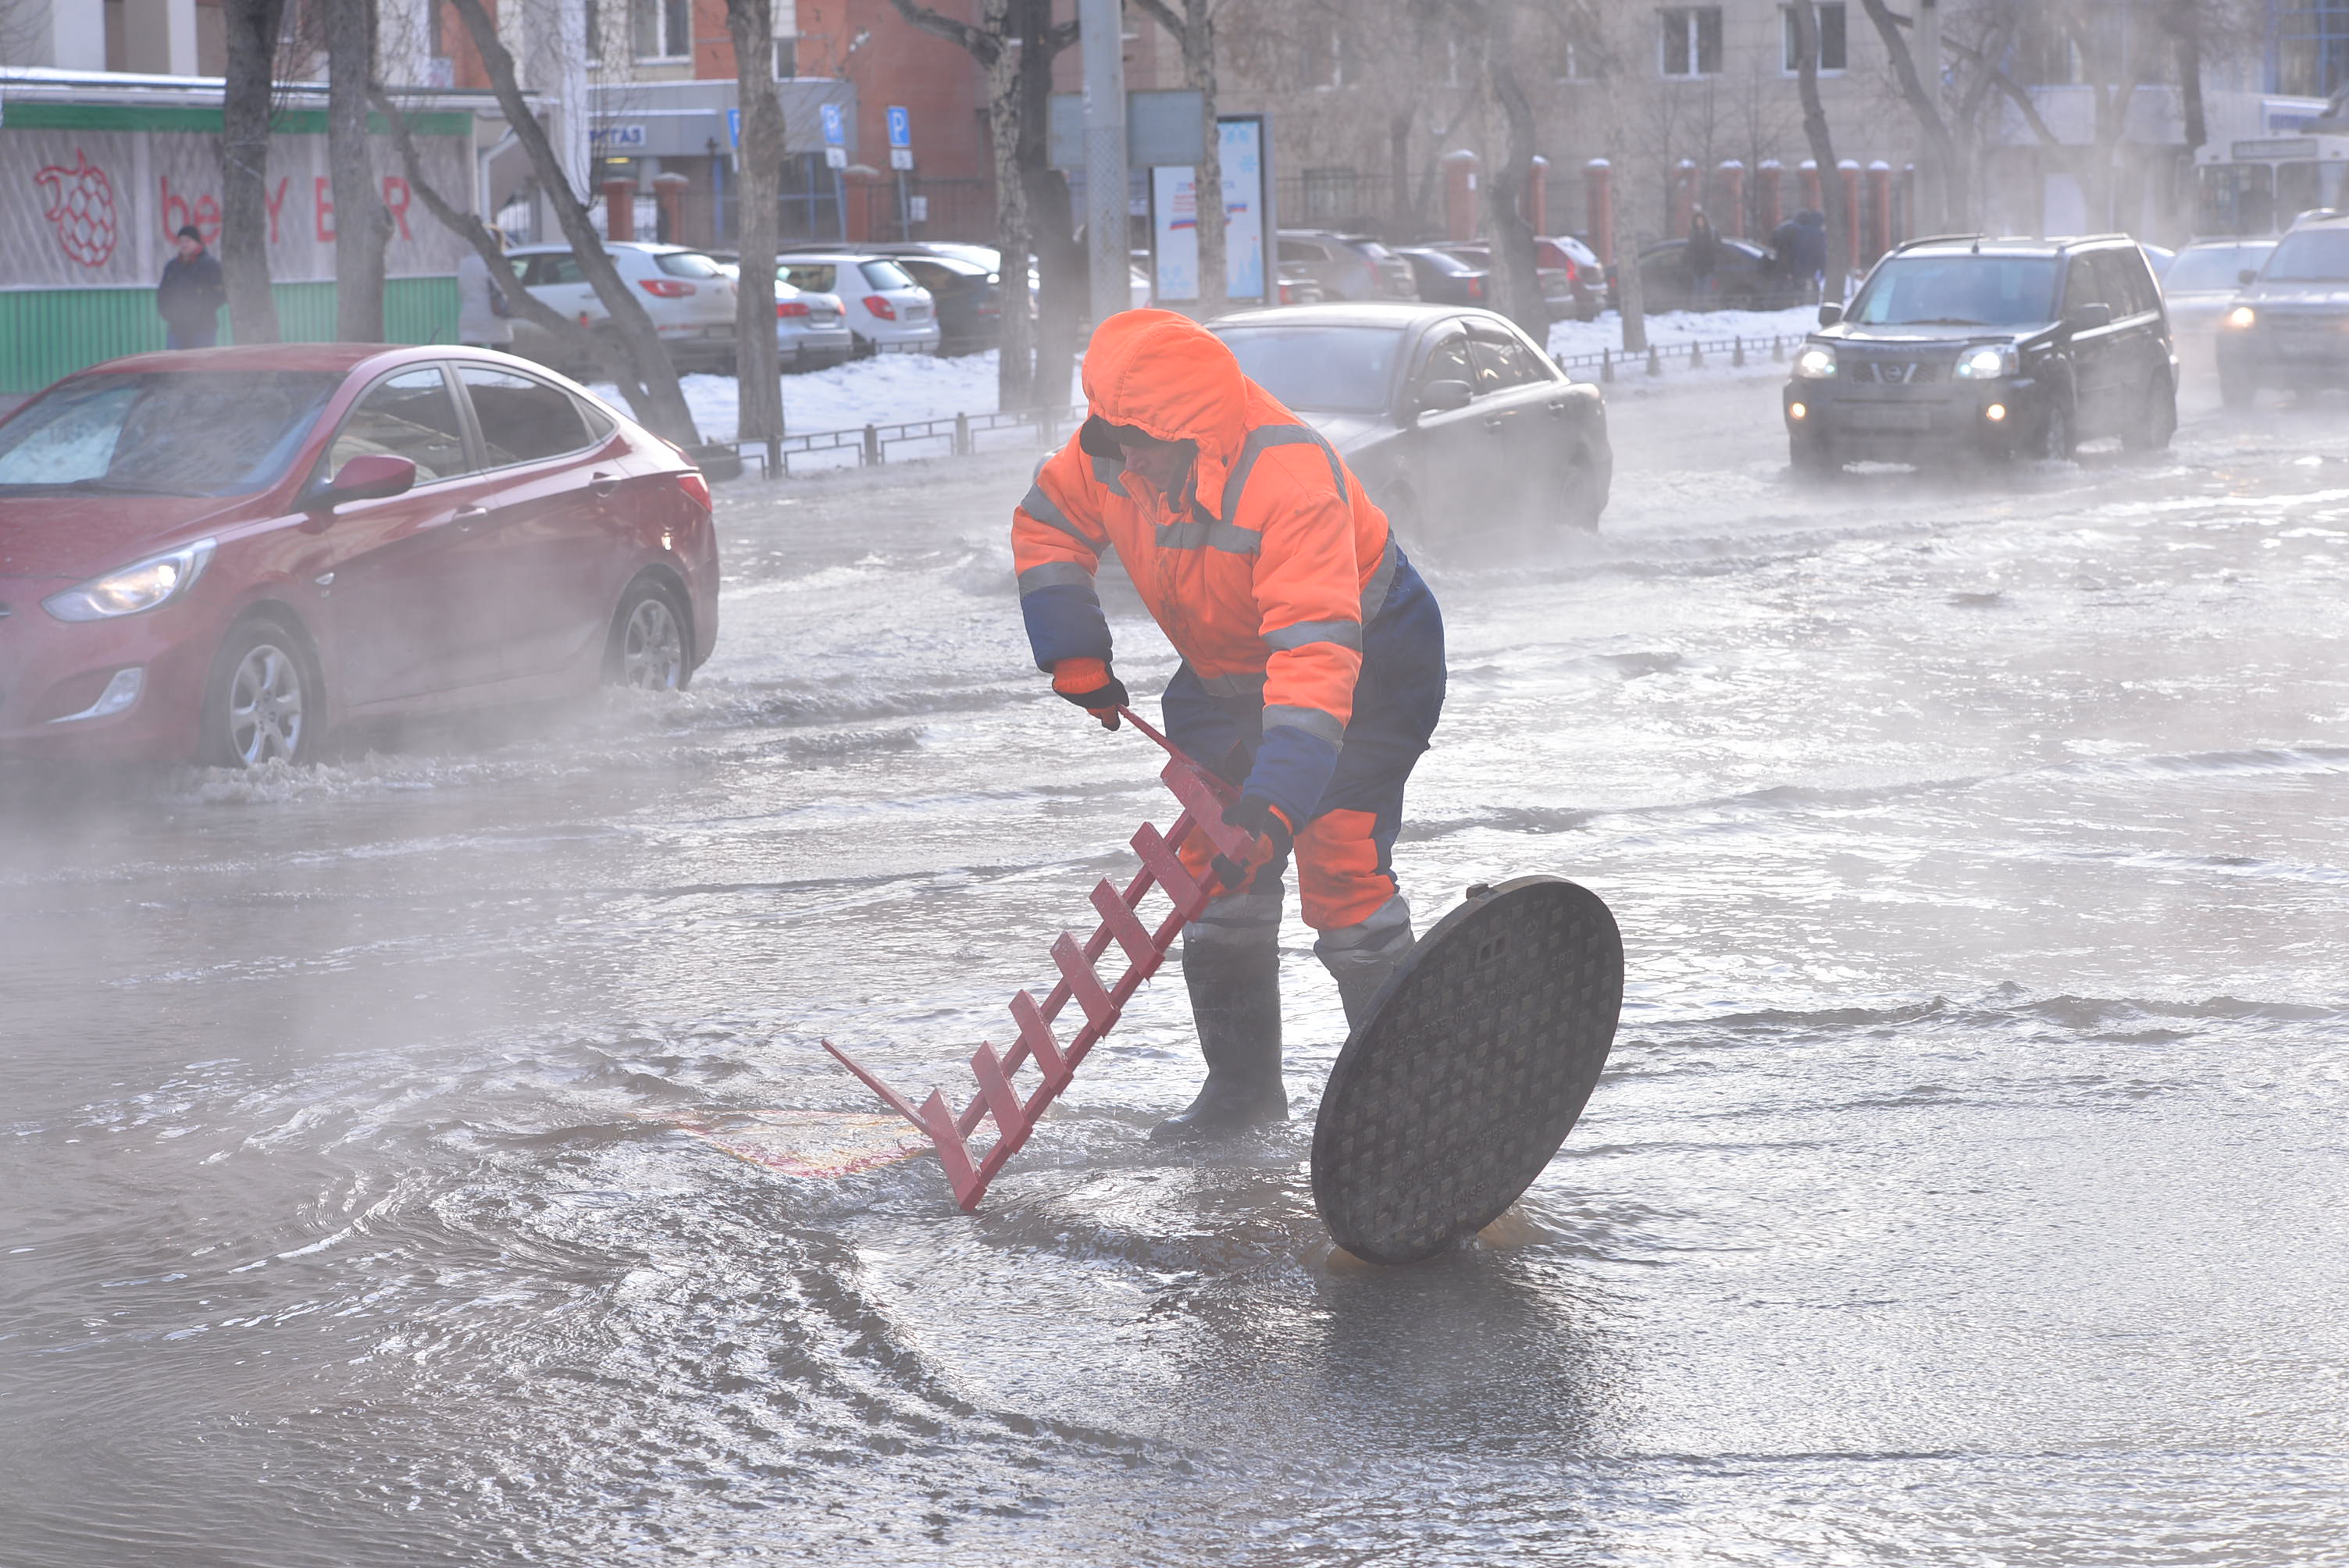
1208, 535
1382, 582
1055, 574
1044, 509
1345, 634
1311, 721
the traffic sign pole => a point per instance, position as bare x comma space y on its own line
1105, 197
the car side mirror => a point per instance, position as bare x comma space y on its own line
2247, 276
1829, 314
372, 476
1438, 396
2088, 318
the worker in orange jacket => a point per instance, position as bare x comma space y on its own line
1312, 668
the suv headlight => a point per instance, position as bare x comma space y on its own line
2242, 317
143, 586
1987, 363
1816, 362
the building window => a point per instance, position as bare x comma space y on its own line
2311, 47
1324, 59
664, 29
1692, 41
1831, 38
787, 58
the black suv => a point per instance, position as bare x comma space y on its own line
2290, 326
1967, 346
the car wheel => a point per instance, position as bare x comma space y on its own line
647, 650
2156, 417
261, 699
1811, 458
2058, 437
1585, 497
2236, 389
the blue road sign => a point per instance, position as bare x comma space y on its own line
901, 126
734, 129
835, 126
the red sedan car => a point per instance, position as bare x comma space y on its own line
222, 553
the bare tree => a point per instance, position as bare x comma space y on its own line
1015, 42
758, 373
1516, 280
1806, 17
1947, 170
362, 226
633, 354
1195, 30
253, 28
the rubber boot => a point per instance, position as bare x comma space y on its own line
1236, 1002
1361, 957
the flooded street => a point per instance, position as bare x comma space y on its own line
1965, 1188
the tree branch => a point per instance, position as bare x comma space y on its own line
983, 46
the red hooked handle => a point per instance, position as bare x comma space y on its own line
1143, 725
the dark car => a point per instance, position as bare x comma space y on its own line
2290, 326
1557, 280
222, 553
1445, 277
1986, 348
1451, 416
968, 293
1745, 276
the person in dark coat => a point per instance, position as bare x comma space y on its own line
190, 294
1810, 251
1702, 255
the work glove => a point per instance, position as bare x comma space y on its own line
1089, 684
1273, 836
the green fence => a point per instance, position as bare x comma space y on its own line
48, 332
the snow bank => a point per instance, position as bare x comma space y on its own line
1572, 339
888, 389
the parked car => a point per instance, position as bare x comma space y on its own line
223, 554
1451, 416
967, 293
1557, 281
1745, 276
686, 293
886, 307
1348, 266
2202, 284
810, 329
1299, 287
1986, 348
1446, 276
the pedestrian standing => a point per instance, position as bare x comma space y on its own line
190, 294
1704, 254
1811, 252
484, 314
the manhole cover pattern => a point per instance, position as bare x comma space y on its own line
1443, 1109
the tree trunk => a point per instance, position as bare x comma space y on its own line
1215, 267
1924, 102
1815, 129
1060, 262
362, 226
1015, 374
251, 26
758, 373
1516, 277
633, 354
1630, 292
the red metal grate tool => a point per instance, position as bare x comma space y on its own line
1203, 797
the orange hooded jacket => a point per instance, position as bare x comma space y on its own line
1262, 575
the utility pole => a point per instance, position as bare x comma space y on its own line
1104, 39
1935, 214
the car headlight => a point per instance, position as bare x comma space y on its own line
1814, 362
2242, 316
144, 585
1987, 363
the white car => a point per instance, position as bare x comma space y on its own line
810, 329
885, 306
689, 296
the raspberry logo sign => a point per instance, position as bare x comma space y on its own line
81, 209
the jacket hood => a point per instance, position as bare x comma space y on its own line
1167, 376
